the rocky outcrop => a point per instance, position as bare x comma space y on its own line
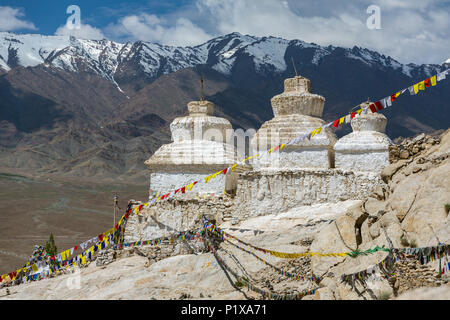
411, 210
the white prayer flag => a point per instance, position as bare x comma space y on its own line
388, 101
441, 76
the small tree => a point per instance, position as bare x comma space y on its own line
50, 246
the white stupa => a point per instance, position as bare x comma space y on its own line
297, 112
367, 147
199, 148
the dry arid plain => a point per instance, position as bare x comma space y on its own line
74, 210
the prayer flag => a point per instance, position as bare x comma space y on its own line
341, 120
433, 80
336, 123
416, 88
373, 108
421, 85
352, 115
389, 100
379, 106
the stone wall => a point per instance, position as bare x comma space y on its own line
259, 192
264, 192
172, 216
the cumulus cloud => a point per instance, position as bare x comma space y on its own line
83, 31
11, 19
148, 27
411, 30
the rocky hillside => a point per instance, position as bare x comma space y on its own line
90, 108
412, 211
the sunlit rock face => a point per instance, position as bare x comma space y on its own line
367, 147
297, 112
199, 148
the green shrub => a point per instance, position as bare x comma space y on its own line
447, 207
50, 246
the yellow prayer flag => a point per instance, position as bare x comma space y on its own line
433, 80
233, 167
341, 120
282, 146
422, 85
359, 111
156, 200
136, 210
68, 253
34, 267
313, 132
207, 179
83, 260
319, 130
63, 255
416, 88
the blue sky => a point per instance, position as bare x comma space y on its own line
409, 30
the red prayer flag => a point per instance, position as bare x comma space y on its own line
427, 82
75, 249
336, 123
177, 191
183, 190
117, 226
277, 147
373, 108
100, 237
225, 171
352, 115
379, 106
140, 207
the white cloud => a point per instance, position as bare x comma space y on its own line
84, 31
411, 30
11, 20
154, 29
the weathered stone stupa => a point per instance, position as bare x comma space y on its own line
199, 148
367, 147
297, 112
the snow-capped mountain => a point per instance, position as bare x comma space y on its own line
109, 59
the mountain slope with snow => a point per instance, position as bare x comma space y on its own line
109, 59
